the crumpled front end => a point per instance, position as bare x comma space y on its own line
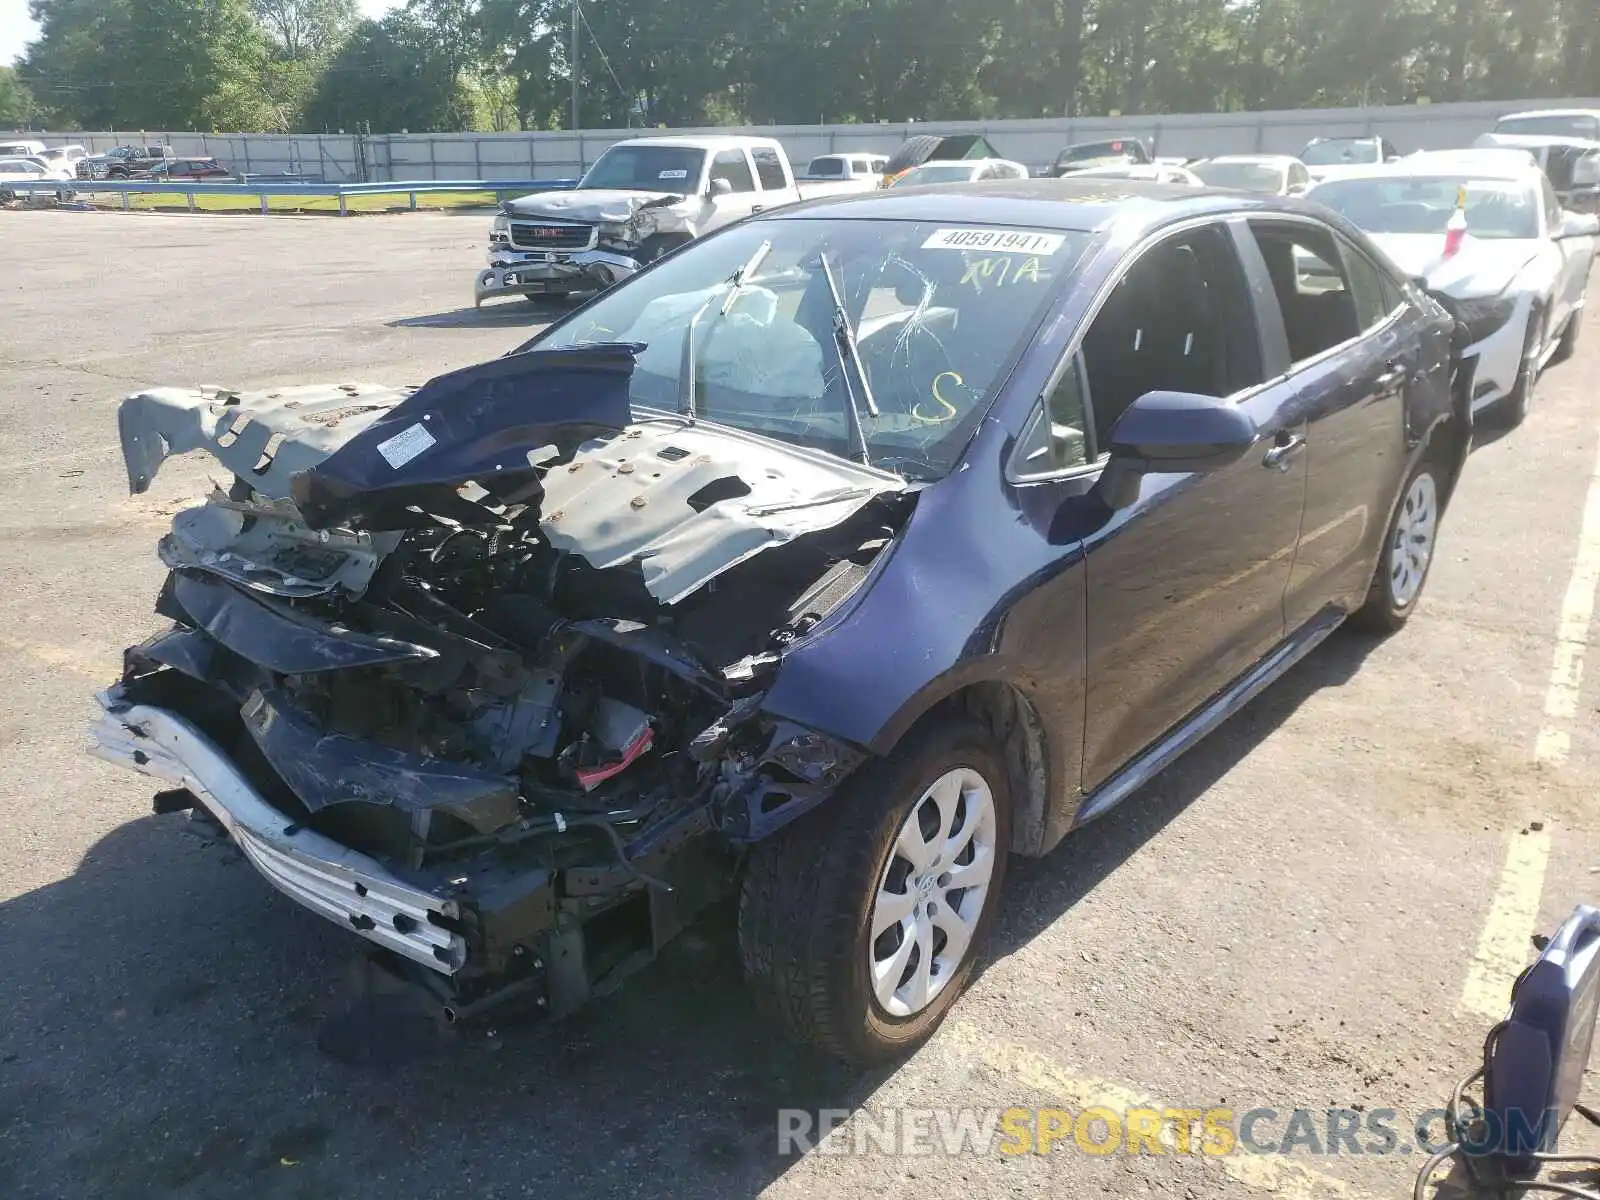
557, 243
480, 678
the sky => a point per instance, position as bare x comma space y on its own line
16, 30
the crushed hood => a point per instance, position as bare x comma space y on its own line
598, 205
1482, 267
688, 502
338, 472
265, 437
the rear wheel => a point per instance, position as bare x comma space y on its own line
1407, 553
859, 924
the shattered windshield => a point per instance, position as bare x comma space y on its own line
647, 169
937, 314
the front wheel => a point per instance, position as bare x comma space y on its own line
1514, 409
860, 923
1407, 554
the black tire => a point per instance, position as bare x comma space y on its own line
1568, 344
806, 899
1386, 611
7, 196
1513, 410
659, 245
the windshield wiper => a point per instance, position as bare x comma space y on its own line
687, 367
844, 345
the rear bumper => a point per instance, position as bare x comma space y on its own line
541, 273
348, 888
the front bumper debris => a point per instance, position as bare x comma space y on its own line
550, 272
348, 888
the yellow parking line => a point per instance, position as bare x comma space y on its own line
1504, 944
1572, 634
1274, 1174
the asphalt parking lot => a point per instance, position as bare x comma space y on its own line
1315, 908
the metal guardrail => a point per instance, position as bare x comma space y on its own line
342, 191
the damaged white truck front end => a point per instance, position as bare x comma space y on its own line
642, 199
475, 670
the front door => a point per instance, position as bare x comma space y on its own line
1186, 587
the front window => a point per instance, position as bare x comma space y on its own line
1494, 209
1573, 125
1341, 151
1242, 176
939, 313
647, 169
937, 173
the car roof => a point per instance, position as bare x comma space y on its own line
709, 142
1550, 112
1064, 204
1270, 160
1445, 166
1496, 161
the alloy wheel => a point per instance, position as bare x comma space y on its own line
1411, 546
932, 892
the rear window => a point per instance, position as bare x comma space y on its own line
1575, 125
769, 168
1116, 148
826, 167
1333, 152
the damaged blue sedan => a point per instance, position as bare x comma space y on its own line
825, 563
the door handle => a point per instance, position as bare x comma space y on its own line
755, 208
1280, 455
1391, 380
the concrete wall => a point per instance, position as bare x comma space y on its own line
344, 157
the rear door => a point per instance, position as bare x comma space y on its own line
1344, 350
773, 180
1185, 588
742, 198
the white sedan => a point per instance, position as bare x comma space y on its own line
1515, 271
965, 170
26, 170
1155, 172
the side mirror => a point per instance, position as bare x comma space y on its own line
718, 187
1296, 189
1576, 225
1172, 431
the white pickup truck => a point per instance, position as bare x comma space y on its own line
641, 199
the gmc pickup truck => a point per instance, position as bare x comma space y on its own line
641, 199
123, 162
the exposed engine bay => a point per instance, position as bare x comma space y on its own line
503, 642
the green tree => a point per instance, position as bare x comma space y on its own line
393, 76
16, 103
167, 64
